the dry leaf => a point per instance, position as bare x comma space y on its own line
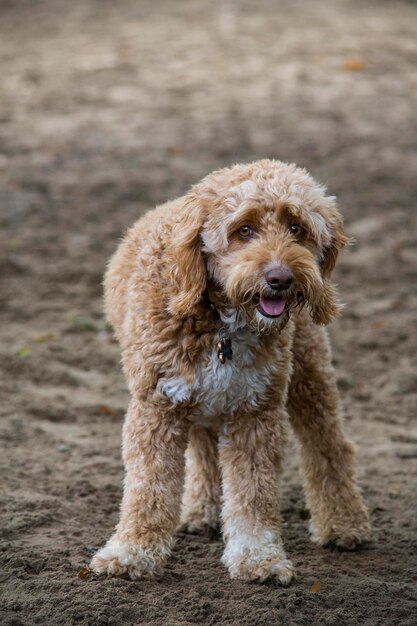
106, 409
84, 572
43, 338
315, 587
175, 150
353, 64
378, 324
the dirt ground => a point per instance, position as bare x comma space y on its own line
108, 108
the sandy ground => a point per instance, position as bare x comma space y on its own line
108, 108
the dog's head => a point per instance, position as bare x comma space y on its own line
265, 236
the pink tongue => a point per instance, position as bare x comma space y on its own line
272, 306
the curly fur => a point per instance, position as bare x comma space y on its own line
229, 421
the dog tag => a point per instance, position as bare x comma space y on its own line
224, 347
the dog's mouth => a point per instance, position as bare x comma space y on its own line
272, 306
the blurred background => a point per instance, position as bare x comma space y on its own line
109, 108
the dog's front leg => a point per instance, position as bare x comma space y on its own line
153, 450
250, 453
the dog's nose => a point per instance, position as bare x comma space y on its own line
279, 277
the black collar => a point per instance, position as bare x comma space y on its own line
224, 343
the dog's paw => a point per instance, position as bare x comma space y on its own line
277, 569
126, 558
203, 521
342, 535
261, 565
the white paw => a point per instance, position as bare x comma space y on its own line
265, 563
119, 558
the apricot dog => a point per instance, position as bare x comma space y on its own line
218, 300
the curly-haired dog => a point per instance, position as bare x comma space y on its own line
218, 300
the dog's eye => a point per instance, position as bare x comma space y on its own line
245, 232
295, 230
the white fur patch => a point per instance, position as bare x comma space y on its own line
126, 553
322, 232
176, 389
245, 545
240, 543
118, 556
223, 389
243, 191
271, 322
237, 201
233, 319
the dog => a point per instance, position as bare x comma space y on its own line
219, 301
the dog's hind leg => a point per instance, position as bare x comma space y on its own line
201, 497
154, 442
338, 514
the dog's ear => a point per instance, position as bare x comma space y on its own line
328, 306
188, 269
330, 253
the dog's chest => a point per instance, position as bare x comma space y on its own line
220, 389
223, 389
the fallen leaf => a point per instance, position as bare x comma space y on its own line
46, 337
106, 410
353, 64
315, 587
378, 324
81, 322
84, 572
23, 352
175, 150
